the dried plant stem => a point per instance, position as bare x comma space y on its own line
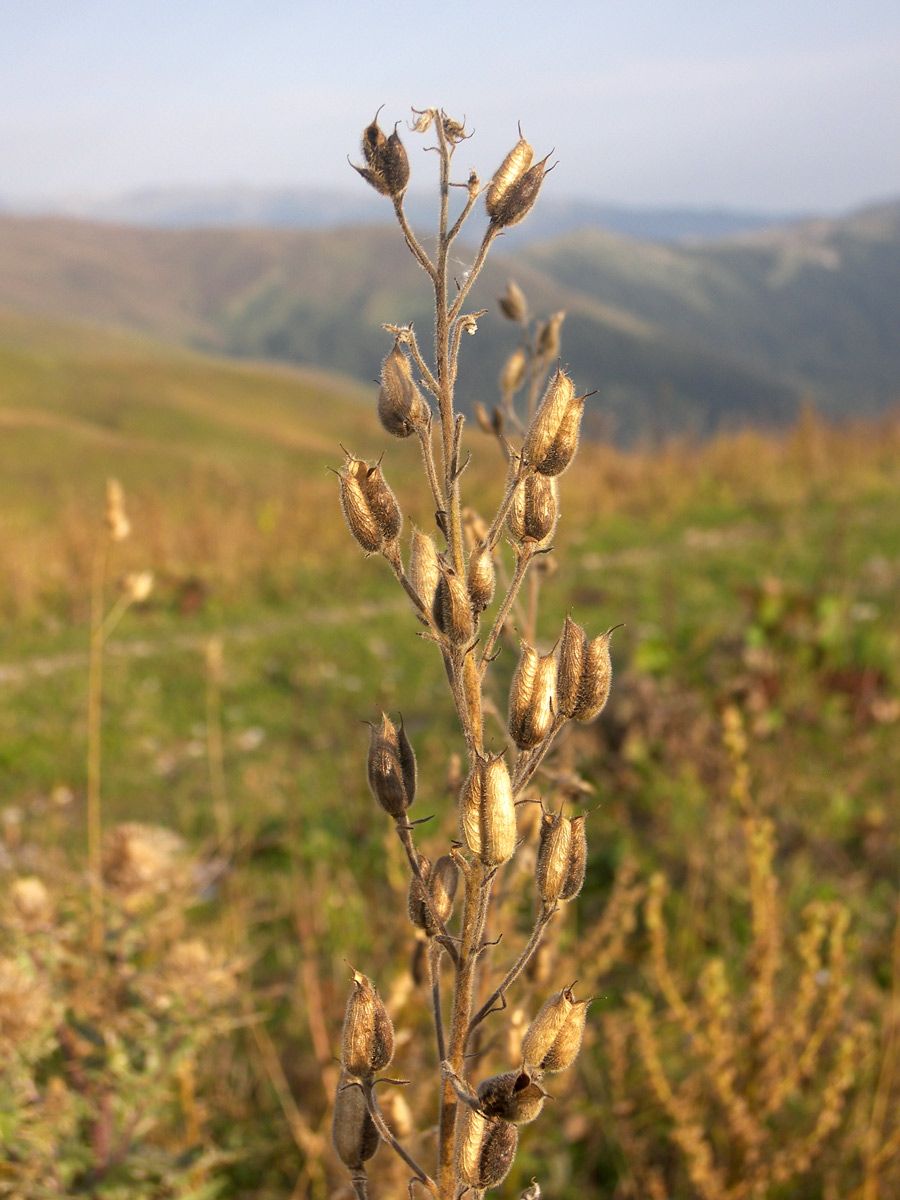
524, 557
95, 713
368, 1087
537, 933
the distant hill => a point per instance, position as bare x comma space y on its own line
674, 338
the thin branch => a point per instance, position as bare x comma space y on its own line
368, 1087
546, 915
411, 240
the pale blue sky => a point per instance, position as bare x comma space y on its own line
771, 104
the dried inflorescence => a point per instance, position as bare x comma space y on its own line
455, 573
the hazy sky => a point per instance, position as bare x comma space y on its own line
772, 104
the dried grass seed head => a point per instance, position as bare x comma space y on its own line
401, 407
391, 767
368, 1035
487, 812
353, 1131
531, 698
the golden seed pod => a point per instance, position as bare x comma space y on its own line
424, 570
487, 812
368, 1035
512, 1096
570, 667
547, 420
370, 507
562, 450
512, 303
383, 504
518, 200
554, 854
574, 880
416, 905
391, 767
452, 607
401, 406
475, 526
485, 1150
514, 370
548, 336
510, 171
542, 1031
353, 1131
534, 511
566, 1045
442, 885
596, 678
531, 698
482, 578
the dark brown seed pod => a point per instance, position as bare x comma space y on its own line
513, 304
487, 812
424, 570
554, 856
534, 511
485, 1150
401, 406
512, 1096
391, 768
531, 698
383, 504
596, 679
482, 578
395, 165
416, 904
570, 667
565, 1046
442, 885
518, 200
452, 606
574, 880
373, 143
542, 1031
353, 1131
510, 171
513, 373
368, 1035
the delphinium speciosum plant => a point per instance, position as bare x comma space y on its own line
451, 582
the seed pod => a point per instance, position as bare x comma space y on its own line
518, 199
513, 1096
534, 511
481, 578
395, 165
485, 1150
442, 885
562, 450
391, 768
401, 406
512, 303
513, 374
415, 901
452, 606
369, 505
481, 416
548, 336
574, 880
542, 1031
570, 667
373, 143
368, 1035
565, 1046
487, 813
510, 171
596, 679
353, 1131
547, 420
531, 698
554, 853
383, 504
424, 571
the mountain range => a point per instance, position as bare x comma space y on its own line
674, 337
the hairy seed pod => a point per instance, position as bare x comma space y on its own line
424, 571
452, 606
415, 900
355, 505
383, 504
518, 200
353, 1131
368, 1035
512, 376
513, 304
487, 813
534, 511
554, 854
596, 679
482, 578
512, 1096
485, 1150
562, 450
391, 768
548, 336
510, 171
395, 165
531, 698
401, 406
373, 143
481, 416
547, 420
574, 880
565, 1046
570, 667
442, 885
542, 1031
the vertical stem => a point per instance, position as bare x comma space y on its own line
95, 705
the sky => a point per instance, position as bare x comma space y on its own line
772, 105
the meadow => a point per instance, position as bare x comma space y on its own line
738, 924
